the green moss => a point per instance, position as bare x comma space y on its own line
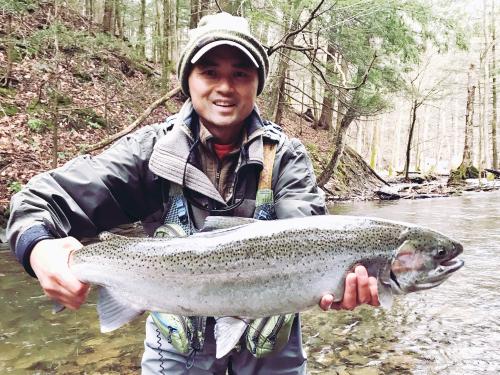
10, 110
38, 125
7, 92
36, 108
14, 187
82, 117
83, 76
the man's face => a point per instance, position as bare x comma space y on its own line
223, 87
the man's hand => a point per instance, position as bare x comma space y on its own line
359, 289
49, 259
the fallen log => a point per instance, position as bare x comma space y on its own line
495, 172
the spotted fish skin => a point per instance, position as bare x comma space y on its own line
264, 268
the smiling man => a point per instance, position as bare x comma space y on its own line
217, 156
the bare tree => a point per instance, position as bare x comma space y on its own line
107, 17
493, 73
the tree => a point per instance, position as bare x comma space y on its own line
107, 17
419, 90
493, 73
466, 168
141, 42
377, 48
278, 98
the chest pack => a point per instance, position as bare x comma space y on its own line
187, 333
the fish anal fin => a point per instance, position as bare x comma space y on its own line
228, 331
112, 313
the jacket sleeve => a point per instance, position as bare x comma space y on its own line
295, 190
86, 196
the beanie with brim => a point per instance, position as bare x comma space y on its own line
222, 29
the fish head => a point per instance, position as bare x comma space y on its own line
423, 260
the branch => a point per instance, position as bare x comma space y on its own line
135, 124
284, 39
218, 6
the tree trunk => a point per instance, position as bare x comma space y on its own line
493, 72
413, 120
469, 118
157, 41
107, 18
89, 9
338, 147
118, 18
374, 145
326, 118
141, 37
279, 98
204, 7
395, 150
165, 55
195, 14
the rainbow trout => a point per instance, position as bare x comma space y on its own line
244, 269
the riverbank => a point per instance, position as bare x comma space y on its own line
418, 188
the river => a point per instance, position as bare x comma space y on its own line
452, 329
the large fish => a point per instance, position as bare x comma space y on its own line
249, 269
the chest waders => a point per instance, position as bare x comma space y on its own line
186, 333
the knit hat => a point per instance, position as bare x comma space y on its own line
215, 30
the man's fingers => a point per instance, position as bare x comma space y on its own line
326, 302
72, 284
373, 285
349, 301
363, 289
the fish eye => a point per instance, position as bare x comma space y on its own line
441, 253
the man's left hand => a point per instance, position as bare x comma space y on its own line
359, 289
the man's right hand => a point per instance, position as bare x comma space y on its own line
49, 259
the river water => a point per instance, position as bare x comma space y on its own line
452, 329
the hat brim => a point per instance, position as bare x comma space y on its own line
207, 47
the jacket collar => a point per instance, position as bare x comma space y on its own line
170, 153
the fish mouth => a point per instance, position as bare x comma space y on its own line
451, 265
440, 274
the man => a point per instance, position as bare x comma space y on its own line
206, 160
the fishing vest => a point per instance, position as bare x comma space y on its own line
186, 333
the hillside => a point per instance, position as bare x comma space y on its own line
93, 88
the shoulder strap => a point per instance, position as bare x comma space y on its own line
264, 199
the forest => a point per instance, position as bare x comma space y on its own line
378, 91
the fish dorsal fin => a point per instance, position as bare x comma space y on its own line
113, 313
224, 222
228, 331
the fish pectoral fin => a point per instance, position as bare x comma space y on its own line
112, 312
385, 295
228, 331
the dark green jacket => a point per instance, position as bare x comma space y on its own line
129, 182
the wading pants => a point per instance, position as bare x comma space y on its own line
161, 358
